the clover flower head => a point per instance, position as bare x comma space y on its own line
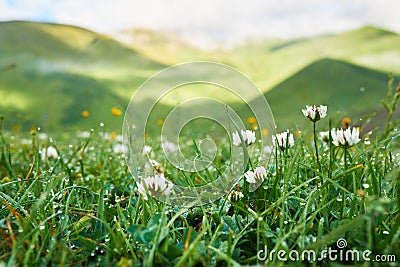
283, 140
155, 186
345, 138
324, 136
147, 150
235, 196
257, 176
314, 113
43, 136
120, 149
168, 146
49, 153
249, 137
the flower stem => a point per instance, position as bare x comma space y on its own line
344, 183
316, 148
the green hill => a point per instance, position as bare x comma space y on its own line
53, 72
347, 89
270, 62
50, 73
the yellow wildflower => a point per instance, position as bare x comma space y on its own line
85, 113
251, 120
116, 112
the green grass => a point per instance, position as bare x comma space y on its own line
83, 209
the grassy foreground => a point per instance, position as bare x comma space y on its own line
78, 205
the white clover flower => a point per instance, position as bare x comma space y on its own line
26, 142
147, 150
120, 149
283, 140
314, 113
345, 138
235, 196
48, 153
324, 136
268, 149
119, 138
83, 134
249, 137
169, 147
257, 176
42, 136
155, 186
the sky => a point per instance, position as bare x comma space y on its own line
211, 21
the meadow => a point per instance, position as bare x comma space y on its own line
68, 199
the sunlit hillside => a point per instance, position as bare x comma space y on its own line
51, 73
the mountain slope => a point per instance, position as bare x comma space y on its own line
272, 61
67, 43
53, 72
50, 73
347, 89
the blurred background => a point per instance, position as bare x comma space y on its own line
69, 64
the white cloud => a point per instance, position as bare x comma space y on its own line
216, 20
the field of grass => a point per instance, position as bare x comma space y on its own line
68, 199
